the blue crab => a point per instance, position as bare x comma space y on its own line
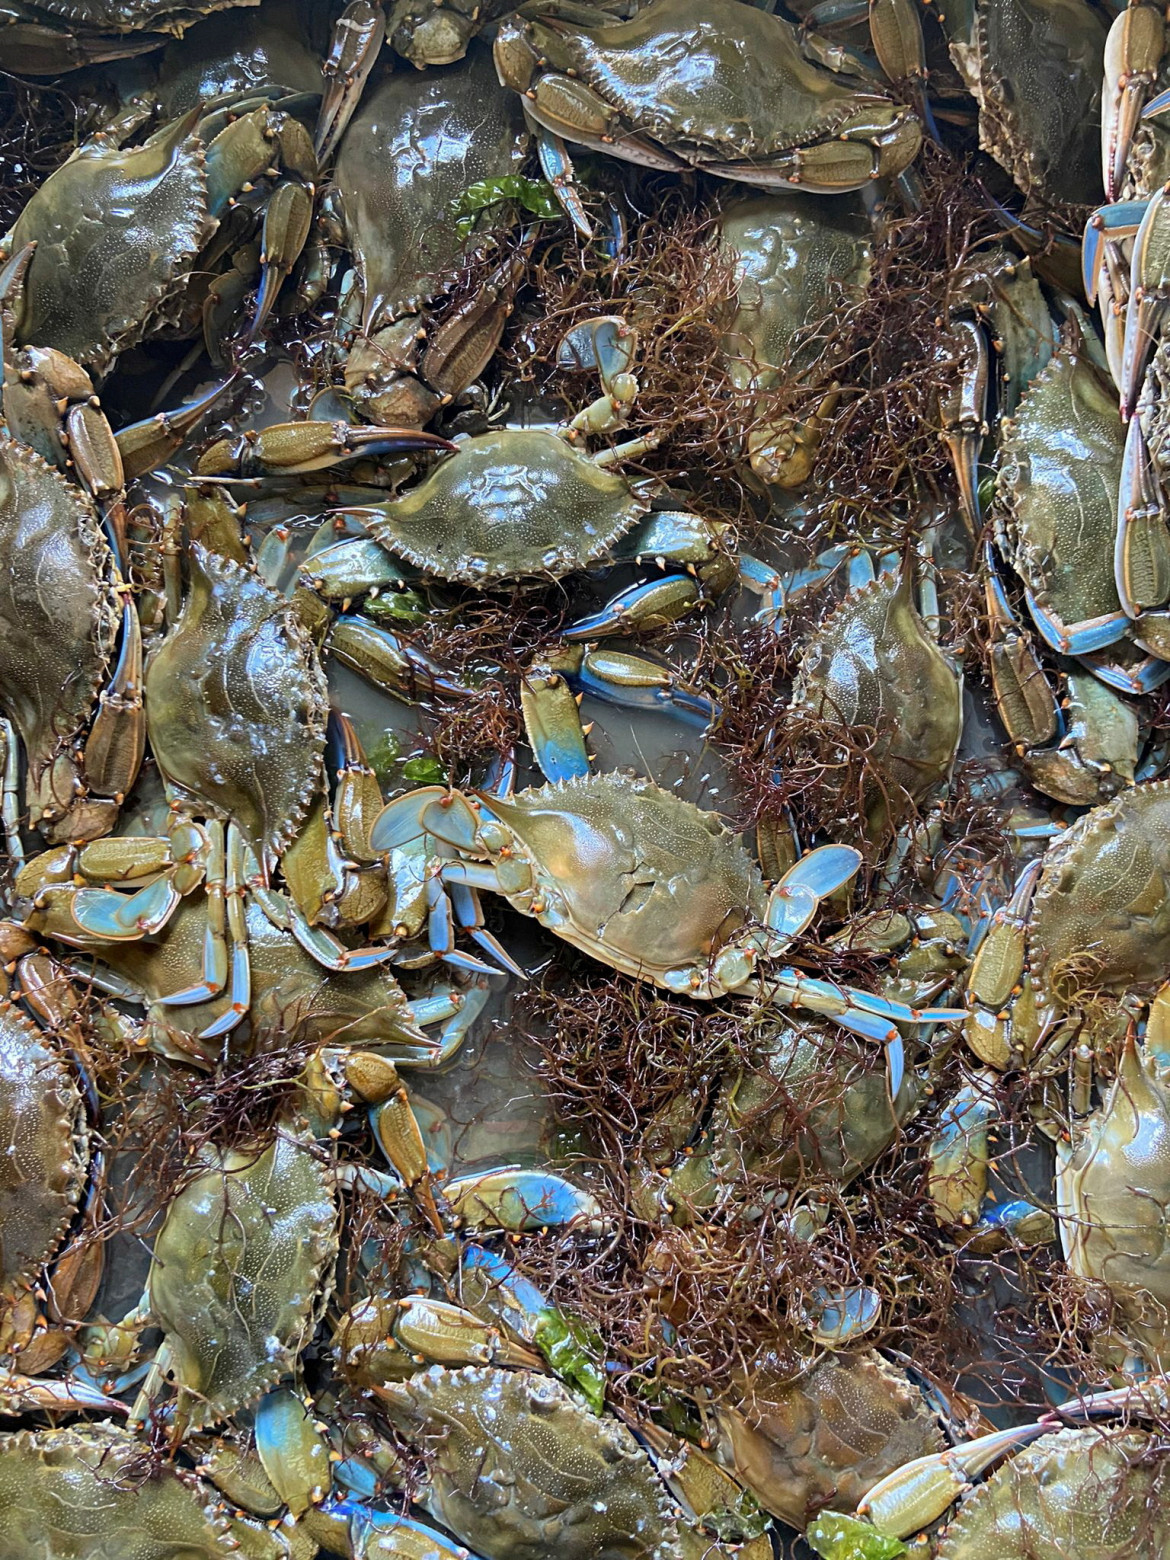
412, 150
86, 1489
50, 36
1062, 1490
648, 884
1091, 913
119, 229
728, 91
797, 255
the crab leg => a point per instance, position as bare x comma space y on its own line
110, 916
469, 918
31, 1394
796, 898
235, 887
552, 723
964, 415
10, 807
390, 662
1076, 638
1108, 224
1141, 561
653, 604
557, 167
215, 950
441, 929
147, 444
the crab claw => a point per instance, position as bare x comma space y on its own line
357, 40
1133, 52
290, 449
917, 1493
31, 1394
1149, 297
1141, 560
964, 415
145, 445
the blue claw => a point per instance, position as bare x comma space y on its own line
401, 821
649, 604
395, 1535
791, 909
824, 870
654, 690
846, 1314
514, 1199
115, 917
1119, 220
895, 1064
1157, 105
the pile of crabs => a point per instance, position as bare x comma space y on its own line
609, 565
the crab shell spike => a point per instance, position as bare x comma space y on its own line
918, 1493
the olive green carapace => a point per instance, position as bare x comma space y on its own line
521, 1470
93, 1491
240, 1273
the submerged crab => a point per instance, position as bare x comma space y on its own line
1113, 1192
874, 666
1093, 915
416, 145
1035, 68
1056, 525
43, 1165
236, 719
825, 1438
59, 616
525, 504
726, 89
797, 255
47, 36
